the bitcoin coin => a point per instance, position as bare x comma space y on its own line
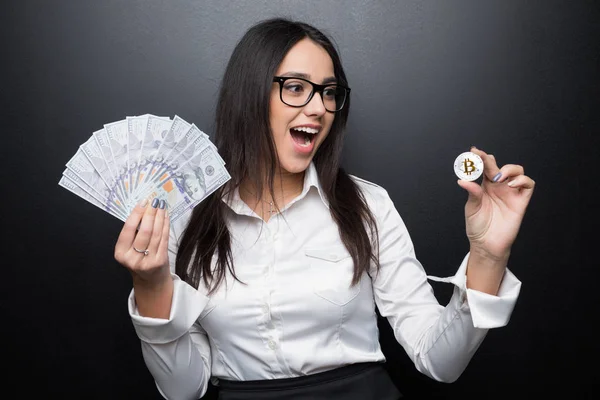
468, 166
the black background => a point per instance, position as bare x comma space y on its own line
429, 79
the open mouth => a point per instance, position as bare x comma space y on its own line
303, 135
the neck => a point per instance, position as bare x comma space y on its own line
285, 184
286, 187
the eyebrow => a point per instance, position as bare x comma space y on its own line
302, 75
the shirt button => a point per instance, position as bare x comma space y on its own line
272, 344
265, 309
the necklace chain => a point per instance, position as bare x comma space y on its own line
272, 210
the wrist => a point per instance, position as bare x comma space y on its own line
154, 281
153, 297
484, 272
488, 257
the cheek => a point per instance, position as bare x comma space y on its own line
280, 117
329, 123
277, 117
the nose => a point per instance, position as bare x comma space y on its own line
315, 106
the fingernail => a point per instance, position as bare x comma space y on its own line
155, 203
472, 147
511, 183
143, 202
162, 204
497, 177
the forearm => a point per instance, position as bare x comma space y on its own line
153, 299
484, 273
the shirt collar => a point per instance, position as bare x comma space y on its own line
311, 179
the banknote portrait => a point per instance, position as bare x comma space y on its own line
193, 183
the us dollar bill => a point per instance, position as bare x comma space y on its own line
189, 141
75, 189
103, 143
116, 133
86, 163
199, 177
103, 202
145, 156
136, 128
174, 138
190, 184
156, 130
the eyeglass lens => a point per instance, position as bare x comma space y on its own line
297, 92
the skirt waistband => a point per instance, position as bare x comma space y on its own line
300, 381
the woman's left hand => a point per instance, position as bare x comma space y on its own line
494, 210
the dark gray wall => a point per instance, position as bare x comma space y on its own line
429, 78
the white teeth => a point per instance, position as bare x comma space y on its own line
307, 130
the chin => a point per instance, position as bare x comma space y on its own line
295, 166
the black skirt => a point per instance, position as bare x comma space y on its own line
363, 381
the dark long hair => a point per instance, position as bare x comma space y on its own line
244, 141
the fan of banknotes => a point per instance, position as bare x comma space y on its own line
145, 156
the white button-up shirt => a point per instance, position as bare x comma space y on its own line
295, 312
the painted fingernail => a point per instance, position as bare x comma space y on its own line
497, 177
162, 204
143, 202
155, 203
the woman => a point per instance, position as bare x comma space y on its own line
278, 273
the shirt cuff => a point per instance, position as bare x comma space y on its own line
488, 311
186, 306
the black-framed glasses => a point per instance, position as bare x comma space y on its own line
298, 92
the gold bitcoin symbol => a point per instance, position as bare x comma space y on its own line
469, 166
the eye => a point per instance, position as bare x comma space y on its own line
330, 92
294, 87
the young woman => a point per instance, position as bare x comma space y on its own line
278, 273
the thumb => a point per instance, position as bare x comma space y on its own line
474, 190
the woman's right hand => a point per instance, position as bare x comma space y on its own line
151, 237
144, 252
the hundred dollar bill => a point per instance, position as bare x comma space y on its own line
191, 184
175, 136
136, 127
190, 142
156, 130
215, 149
102, 201
82, 184
211, 144
73, 188
199, 132
199, 177
78, 170
118, 141
83, 166
80, 166
178, 202
104, 145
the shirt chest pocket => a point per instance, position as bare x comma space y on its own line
331, 271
